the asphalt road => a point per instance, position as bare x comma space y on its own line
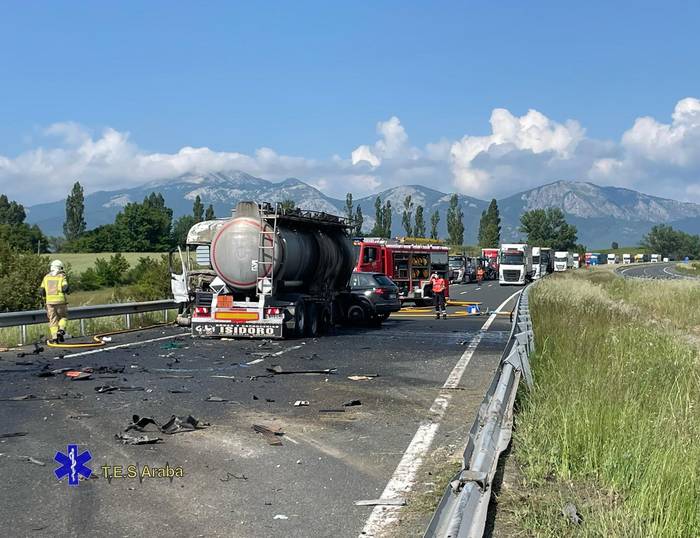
431, 377
659, 271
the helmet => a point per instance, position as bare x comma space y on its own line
56, 265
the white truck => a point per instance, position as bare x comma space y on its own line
515, 264
613, 259
536, 264
626, 259
576, 263
563, 260
655, 258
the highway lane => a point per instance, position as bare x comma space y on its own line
413, 418
659, 271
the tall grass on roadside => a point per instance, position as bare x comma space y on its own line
616, 403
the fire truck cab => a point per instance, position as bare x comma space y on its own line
409, 266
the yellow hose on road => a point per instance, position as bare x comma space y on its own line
97, 339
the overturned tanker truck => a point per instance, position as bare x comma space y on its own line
265, 273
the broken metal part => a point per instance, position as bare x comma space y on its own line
139, 423
352, 403
215, 399
398, 501
331, 410
362, 377
278, 370
271, 436
229, 476
301, 403
182, 424
137, 439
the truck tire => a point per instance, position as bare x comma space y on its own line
300, 319
312, 320
325, 320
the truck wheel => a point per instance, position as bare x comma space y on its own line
300, 319
356, 314
312, 321
325, 320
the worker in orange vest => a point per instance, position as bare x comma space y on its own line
440, 293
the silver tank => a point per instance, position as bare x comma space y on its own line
311, 256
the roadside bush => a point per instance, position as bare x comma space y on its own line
89, 280
20, 278
112, 272
151, 279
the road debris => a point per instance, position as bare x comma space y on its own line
339, 410
398, 501
80, 416
136, 439
27, 397
271, 436
352, 403
224, 376
171, 345
215, 399
176, 376
280, 516
362, 377
109, 369
111, 388
229, 476
301, 403
256, 361
78, 375
139, 423
12, 434
278, 370
182, 424
183, 390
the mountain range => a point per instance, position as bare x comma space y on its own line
601, 214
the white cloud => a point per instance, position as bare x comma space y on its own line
520, 152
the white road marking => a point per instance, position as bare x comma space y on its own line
256, 361
120, 346
477, 289
463, 292
404, 476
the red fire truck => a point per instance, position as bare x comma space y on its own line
410, 266
490, 257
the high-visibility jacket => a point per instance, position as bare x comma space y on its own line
438, 284
55, 288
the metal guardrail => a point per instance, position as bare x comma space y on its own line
33, 317
464, 506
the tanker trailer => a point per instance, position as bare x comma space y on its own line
267, 273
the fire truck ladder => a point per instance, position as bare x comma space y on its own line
266, 252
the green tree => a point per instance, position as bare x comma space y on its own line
151, 278
419, 227
548, 228
386, 219
74, 225
17, 234
664, 240
455, 221
287, 205
145, 227
358, 221
490, 227
378, 229
615, 245
198, 209
112, 272
209, 215
407, 216
434, 222
180, 228
349, 207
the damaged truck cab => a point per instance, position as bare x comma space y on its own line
266, 273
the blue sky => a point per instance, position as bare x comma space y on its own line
312, 80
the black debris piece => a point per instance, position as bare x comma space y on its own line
139, 423
229, 476
352, 403
110, 369
26, 397
183, 390
182, 424
176, 377
112, 388
255, 397
331, 410
12, 434
37, 348
137, 439
24, 363
271, 436
269, 400
45, 373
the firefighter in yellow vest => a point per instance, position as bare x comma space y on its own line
54, 288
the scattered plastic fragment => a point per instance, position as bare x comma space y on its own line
352, 403
77, 375
183, 390
363, 377
229, 476
331, 410
12, 434
182, 424
280, 516
215, 399
301, 403
171, 345
398, 501
278, 370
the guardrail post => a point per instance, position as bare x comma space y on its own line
165, 315
23, 334
127, 318
82, 326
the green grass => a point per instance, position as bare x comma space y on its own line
82, 260
623, 250
612, 424
692, 268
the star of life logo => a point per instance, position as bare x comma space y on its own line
73, 465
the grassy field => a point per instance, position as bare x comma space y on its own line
82, 260
692, 268
612, 424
